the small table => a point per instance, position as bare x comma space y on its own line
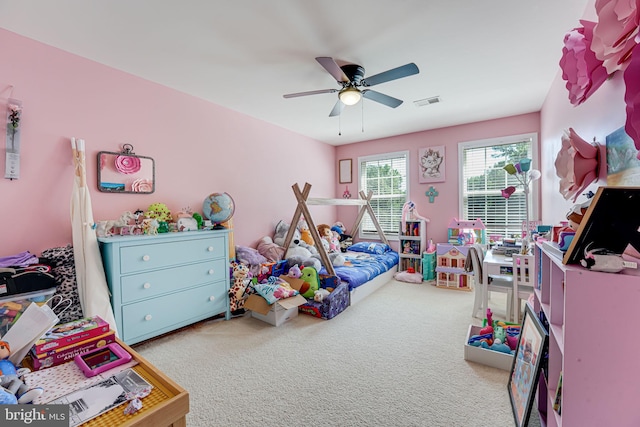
493, 265
166, 406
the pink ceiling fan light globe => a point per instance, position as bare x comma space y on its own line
582, 71
614, 36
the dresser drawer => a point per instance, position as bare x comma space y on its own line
162, 255
158, 282
168, 312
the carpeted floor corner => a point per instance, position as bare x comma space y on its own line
395, 359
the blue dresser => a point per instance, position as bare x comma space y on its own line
164, 282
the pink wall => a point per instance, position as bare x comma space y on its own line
445, 205
199, 148
598, 116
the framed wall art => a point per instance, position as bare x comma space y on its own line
431, 164
526, 367
344, 171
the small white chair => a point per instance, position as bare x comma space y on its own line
524, 277
476, 254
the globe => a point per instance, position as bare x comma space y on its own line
218, 207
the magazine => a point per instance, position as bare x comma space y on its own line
89, 402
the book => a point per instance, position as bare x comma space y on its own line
96, 399
64, 334
66, 354
557, 402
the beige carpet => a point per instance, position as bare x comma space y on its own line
395, 359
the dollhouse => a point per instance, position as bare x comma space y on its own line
450, 271
467, 232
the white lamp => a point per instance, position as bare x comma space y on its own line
350, 96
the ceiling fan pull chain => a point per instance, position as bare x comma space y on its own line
362, 117
340, 125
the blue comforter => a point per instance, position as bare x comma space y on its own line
362, 267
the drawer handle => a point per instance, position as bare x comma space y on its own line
211, 298
146, 285
148, 317
210, 248
211, 271
146, 258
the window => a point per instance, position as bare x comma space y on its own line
386, 176
482, 178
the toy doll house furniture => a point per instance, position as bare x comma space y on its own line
462, 232
450, 271
365, 271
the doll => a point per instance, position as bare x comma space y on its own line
10, 379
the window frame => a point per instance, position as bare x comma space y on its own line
377, 157
534, 195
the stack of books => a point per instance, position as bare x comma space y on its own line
66, 340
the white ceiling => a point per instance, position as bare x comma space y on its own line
484, 59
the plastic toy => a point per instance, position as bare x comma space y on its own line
10, 381
102, 359
467, 232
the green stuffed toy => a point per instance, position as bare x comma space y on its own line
312, 282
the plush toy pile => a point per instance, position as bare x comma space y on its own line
258, 270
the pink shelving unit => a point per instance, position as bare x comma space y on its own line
592, 341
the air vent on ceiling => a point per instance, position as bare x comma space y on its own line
427, 101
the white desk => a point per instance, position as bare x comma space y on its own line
493, 265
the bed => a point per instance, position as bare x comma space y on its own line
365, 272
369, 265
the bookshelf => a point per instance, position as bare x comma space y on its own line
592, 361
412, 242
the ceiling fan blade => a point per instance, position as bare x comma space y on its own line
311, 92
334, 69
337, 109
387, 100
393, 74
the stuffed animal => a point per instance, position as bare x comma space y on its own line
345, 239
11, 383
295, 272
268, 249
312, 282
298, 251
320, 295
241, 279
305, 233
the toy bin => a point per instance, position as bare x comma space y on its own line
485, 356
12, 307
335, 303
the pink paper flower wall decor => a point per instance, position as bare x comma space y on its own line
632, 98
582, 71
577, 165
127, 164
614, 34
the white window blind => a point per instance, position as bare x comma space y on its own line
483, 178
386, 176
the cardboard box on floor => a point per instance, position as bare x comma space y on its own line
281, 310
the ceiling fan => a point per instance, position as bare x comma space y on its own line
351, 78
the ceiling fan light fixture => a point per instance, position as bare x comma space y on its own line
350, 96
